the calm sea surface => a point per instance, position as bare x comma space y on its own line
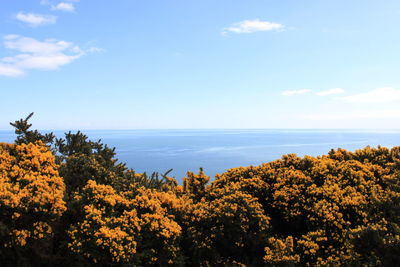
219, 150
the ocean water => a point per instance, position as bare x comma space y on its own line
218, 150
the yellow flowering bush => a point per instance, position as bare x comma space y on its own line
226, 228
325, 210
31, 194
109, 228
135, 227
194, 184
340, 209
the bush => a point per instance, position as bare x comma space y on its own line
338, 209
31, 200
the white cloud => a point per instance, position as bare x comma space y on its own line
54, 3
250, 26
331, 92
63, 6
380, 95
295, 92
7, 70
49, 54
34, 20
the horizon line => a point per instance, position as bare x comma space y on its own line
197, 129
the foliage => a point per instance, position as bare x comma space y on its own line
324, 209
68, 201
229, 228
194, 185
25, 135
31, 198
137, 226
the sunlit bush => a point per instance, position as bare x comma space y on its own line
341, 209
322, 210
136, 226
31, 195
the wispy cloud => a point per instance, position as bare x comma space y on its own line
66, 5
49, 54
251, 26
34, 20
333, 91
63, 6
296, 92
380, 95
94, 49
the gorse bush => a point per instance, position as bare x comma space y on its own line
31, 201
69, 202
326, 210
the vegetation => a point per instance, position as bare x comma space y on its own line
68, 202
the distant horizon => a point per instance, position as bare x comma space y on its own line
211, 129
216, 150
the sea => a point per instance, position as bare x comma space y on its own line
219, 150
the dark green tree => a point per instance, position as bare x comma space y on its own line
25, 135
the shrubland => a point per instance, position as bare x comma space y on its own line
69, 202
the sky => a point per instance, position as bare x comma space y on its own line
155, 64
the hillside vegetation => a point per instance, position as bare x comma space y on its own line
69, 202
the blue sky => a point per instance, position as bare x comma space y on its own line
129, 64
